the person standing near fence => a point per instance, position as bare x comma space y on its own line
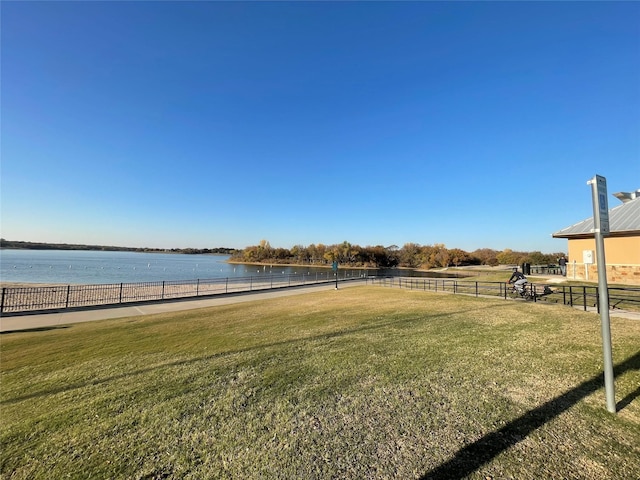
563, 265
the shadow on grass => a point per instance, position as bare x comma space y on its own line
628, 399
473, 456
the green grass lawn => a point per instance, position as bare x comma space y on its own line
363, 382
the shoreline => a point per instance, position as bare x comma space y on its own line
33, 285
301, 265
451, 270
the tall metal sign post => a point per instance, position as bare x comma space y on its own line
600, 229
335, 269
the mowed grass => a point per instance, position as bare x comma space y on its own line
363, 382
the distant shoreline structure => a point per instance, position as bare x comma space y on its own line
23, 245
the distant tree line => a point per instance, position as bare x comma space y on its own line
411, 255
69, 246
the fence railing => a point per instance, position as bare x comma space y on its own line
585, 296
17, 300
545, 269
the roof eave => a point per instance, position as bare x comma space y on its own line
625, 233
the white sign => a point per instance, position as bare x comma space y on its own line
587, 257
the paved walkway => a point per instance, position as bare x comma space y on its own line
53, 319
48, 320
614, 313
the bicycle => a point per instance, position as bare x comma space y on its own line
526, 292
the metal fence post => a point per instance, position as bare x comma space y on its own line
570, 296
162, 290
68, 292
197, 287
2, 302
584, 298
120, 294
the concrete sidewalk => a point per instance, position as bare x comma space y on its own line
55, 319
614, 313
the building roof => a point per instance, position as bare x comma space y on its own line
624, 220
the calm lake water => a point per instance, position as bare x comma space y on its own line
98, 267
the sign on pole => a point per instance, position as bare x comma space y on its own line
600, 205
601, 228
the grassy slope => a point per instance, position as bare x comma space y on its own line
361, 383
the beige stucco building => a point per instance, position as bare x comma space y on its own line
621, 246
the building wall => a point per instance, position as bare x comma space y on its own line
622, 255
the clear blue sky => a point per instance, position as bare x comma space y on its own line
210, 124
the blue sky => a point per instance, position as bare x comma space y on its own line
209, 124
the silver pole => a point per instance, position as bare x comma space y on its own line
601, 226
603, 292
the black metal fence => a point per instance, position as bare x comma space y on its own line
17, 300
585, 296
545, 269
